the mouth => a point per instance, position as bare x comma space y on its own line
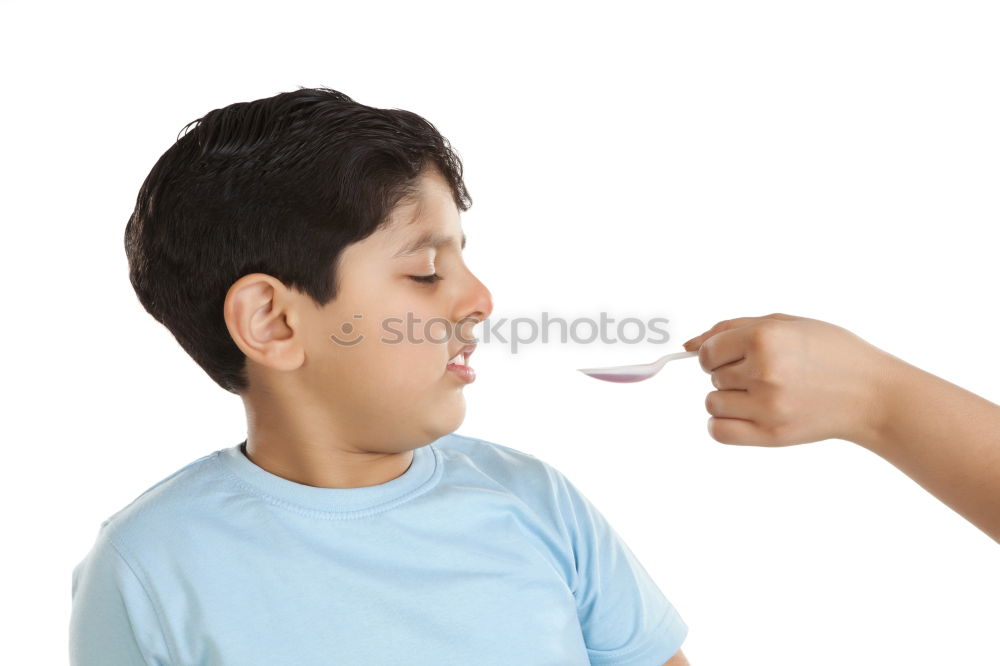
462, 356
459, 364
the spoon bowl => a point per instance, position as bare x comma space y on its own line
626, 374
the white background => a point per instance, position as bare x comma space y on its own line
697, 161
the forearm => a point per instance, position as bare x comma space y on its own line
945, 438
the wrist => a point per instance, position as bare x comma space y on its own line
886, 381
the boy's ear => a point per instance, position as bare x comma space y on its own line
261, 321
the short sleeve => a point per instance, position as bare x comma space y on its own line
624, 616
113, 622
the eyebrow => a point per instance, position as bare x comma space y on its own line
429, 239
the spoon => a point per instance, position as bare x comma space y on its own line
633, 373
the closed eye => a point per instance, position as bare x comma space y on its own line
426, 279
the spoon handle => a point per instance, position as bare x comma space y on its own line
671, 357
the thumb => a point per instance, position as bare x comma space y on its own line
693, 343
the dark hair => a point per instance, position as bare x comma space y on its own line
280, 186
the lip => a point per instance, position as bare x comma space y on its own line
465, 351
465, 373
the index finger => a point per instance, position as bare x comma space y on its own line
727, 341
727, 346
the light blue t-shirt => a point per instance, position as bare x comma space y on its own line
477, 554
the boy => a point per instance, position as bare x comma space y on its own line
284, 242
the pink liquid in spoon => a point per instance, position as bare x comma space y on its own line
621, 379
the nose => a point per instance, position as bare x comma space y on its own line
476, 305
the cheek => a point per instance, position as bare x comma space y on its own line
420, 360
412, 335
398, 346
401, 356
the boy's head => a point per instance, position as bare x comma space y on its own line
271, 241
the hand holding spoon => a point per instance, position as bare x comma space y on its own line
633, 373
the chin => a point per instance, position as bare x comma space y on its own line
450, 420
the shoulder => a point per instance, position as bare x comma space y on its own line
162, 505
521, 473
487, 454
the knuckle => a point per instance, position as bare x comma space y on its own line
768, 331
770, 369
779, 407
782, 410
780, 433
756, 337
765, 372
